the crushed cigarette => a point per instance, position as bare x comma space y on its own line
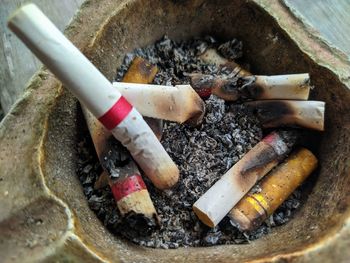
254, 208
291, 113
236, 182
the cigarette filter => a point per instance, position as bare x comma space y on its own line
293, 87
252, 210
180, 103
211, 56
214, 205
277, 113
95, 92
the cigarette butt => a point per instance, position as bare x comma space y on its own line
179, 104
252, 210
140, 71
132, 196
214, 205
211, 56
127, 185
293, 87
130, 192
278, 113
95, 92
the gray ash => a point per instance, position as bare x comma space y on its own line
203, 154
231, 49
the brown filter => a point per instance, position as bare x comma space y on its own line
140, 71
254, 208
294, 86
211, 56
279, 113
214, 205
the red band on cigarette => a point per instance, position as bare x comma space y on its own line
204, 92
116, 114
126, 186
271, 138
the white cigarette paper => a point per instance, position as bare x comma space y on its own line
179, 104
292, 86
94, 91
291, 113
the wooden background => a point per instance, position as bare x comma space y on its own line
330, 19
17, 63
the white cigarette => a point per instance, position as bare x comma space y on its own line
179, 104
94, 91
292, 86
278, 113
212, 207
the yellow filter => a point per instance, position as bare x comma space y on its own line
275, 188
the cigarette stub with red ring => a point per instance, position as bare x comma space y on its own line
214, 205
93, 90
128, 188
292, 86
132, 196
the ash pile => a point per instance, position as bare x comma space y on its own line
237, 139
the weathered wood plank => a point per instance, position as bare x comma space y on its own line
17, 63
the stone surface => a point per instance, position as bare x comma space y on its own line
43, 212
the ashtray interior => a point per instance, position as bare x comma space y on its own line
269, 51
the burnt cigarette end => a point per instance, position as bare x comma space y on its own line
142, 225
114, 157
269, 112
289, 113
202, 84
259, 161
198, 114
282, 142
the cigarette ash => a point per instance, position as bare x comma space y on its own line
203, 154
